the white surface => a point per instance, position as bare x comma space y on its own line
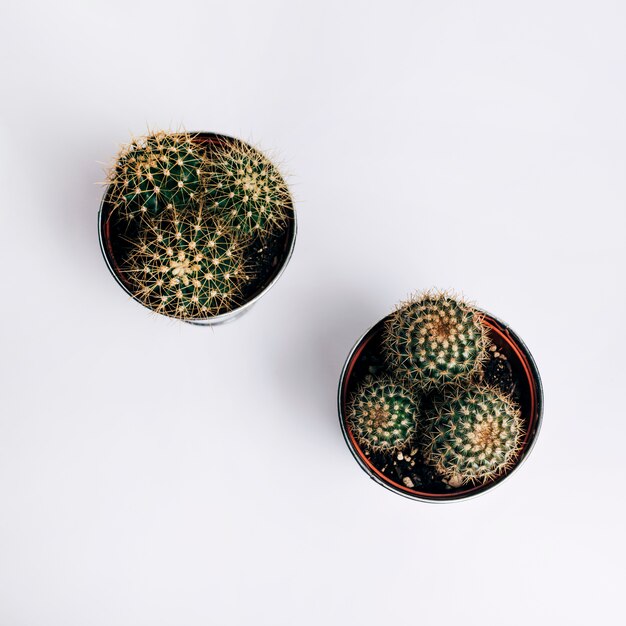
153, 473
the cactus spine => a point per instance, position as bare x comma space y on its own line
435, 340
382, 415
186, 268
246, 190
157, 172
474, 436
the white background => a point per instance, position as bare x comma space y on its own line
153, 473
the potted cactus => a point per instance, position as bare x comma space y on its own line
195, 226
440, 401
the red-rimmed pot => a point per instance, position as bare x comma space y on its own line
113, 242
519, 367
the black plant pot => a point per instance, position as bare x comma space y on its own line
271, 256
511, 367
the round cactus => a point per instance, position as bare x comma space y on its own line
382, 415
474, 436
156, 172
245, 189
186, 268
436, 339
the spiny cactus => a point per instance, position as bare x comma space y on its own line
245, 189
382, 415
435, 339
474, 436
160, 171
185, 267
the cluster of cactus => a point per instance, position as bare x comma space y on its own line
195, 212
435, 346
246, 188
436, 340
474, 435
157, 172
184, 269
383, 416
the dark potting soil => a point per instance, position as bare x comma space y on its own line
408, 467
263, 260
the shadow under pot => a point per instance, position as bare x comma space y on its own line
265, 257
508, 367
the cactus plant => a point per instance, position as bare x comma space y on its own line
474, 435
186, 267
180, 219
245, 189
382, 415
435, 339
156, 172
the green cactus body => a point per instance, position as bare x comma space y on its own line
382, 415
435, 340
246, 190
157, 172
186, 268
473, 436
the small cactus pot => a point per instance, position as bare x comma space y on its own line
276, 251
510, 366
